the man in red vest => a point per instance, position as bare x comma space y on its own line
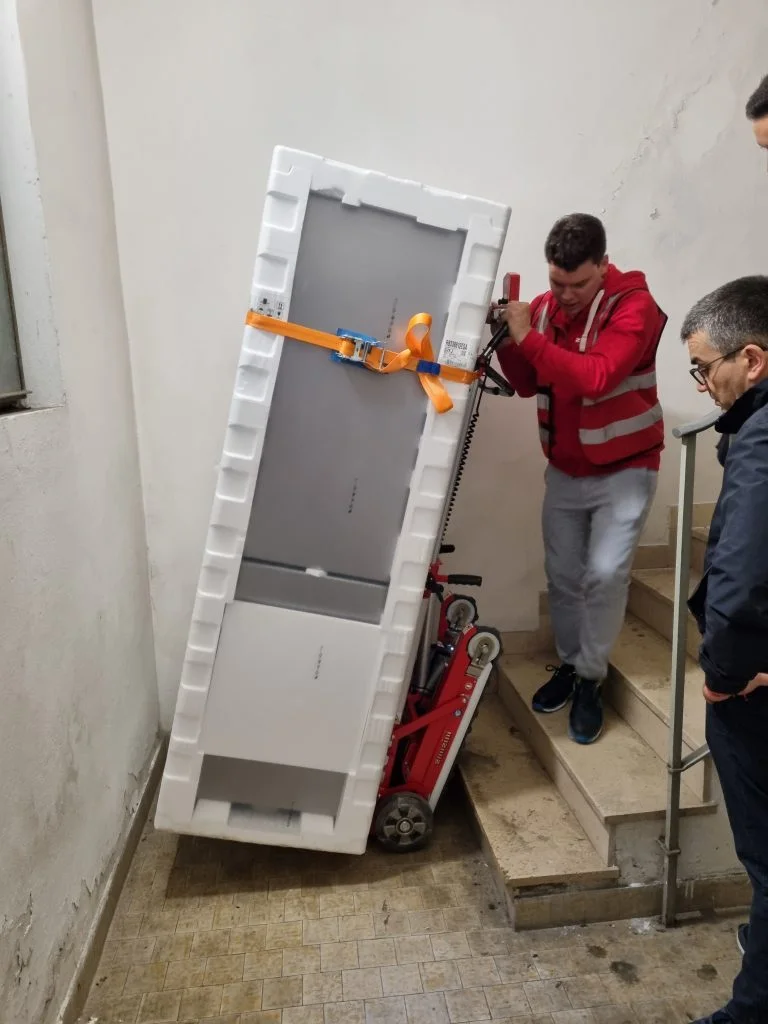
587, 350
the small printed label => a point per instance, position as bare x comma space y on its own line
392, 320
455, 353
270, 305
319, 662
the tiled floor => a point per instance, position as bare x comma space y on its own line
223, 933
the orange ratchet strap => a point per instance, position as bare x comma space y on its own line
417, 355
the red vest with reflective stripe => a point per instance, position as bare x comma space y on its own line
618, 426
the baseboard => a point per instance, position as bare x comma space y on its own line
88, 962
530, 911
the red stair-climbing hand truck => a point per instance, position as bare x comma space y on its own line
454, 664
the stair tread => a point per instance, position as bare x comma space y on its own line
532, 833
620, 775
700, 532
663, 580
643, 660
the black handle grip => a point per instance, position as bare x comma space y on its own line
490, 319
447, 549
465, 581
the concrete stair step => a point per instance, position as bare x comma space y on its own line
651, 595
699, 538
533, 836
639, 690
542, 859
610, 786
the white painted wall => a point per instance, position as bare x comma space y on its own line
634, 112
78, 684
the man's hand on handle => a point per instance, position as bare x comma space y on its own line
518, 318
516, 315
761, 679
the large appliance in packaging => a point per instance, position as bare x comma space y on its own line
329, 502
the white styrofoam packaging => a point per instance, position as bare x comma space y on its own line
309, 693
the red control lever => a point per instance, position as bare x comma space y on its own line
511, 288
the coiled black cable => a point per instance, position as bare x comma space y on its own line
502, 388
466, 445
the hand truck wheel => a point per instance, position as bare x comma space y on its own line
460, 611
486, 643
403, 823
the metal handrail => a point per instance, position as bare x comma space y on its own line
676, 763
697, 426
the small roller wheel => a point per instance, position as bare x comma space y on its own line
461, 611
487, 638
404, 823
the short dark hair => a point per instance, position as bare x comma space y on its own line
734, 315
757, 104
574, 240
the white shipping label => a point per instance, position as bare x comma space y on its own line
269, 304
455, 353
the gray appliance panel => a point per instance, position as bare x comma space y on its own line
341, 442
286, 587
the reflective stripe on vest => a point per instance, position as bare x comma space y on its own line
605, 312
590, 319
611, 301
621, 428
542, 401
636, 382
544, 436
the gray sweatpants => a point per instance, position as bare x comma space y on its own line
591, 529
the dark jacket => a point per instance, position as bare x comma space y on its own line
731, 602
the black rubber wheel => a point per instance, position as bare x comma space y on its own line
404, 823
489, 637
460, 606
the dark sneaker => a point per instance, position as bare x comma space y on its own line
554, 695
586, 721
718, 1017
742, 937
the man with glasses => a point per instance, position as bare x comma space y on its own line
727, 337
757, 112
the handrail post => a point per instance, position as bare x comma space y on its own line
677, 689
676, 765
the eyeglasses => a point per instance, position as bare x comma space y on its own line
701, 373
